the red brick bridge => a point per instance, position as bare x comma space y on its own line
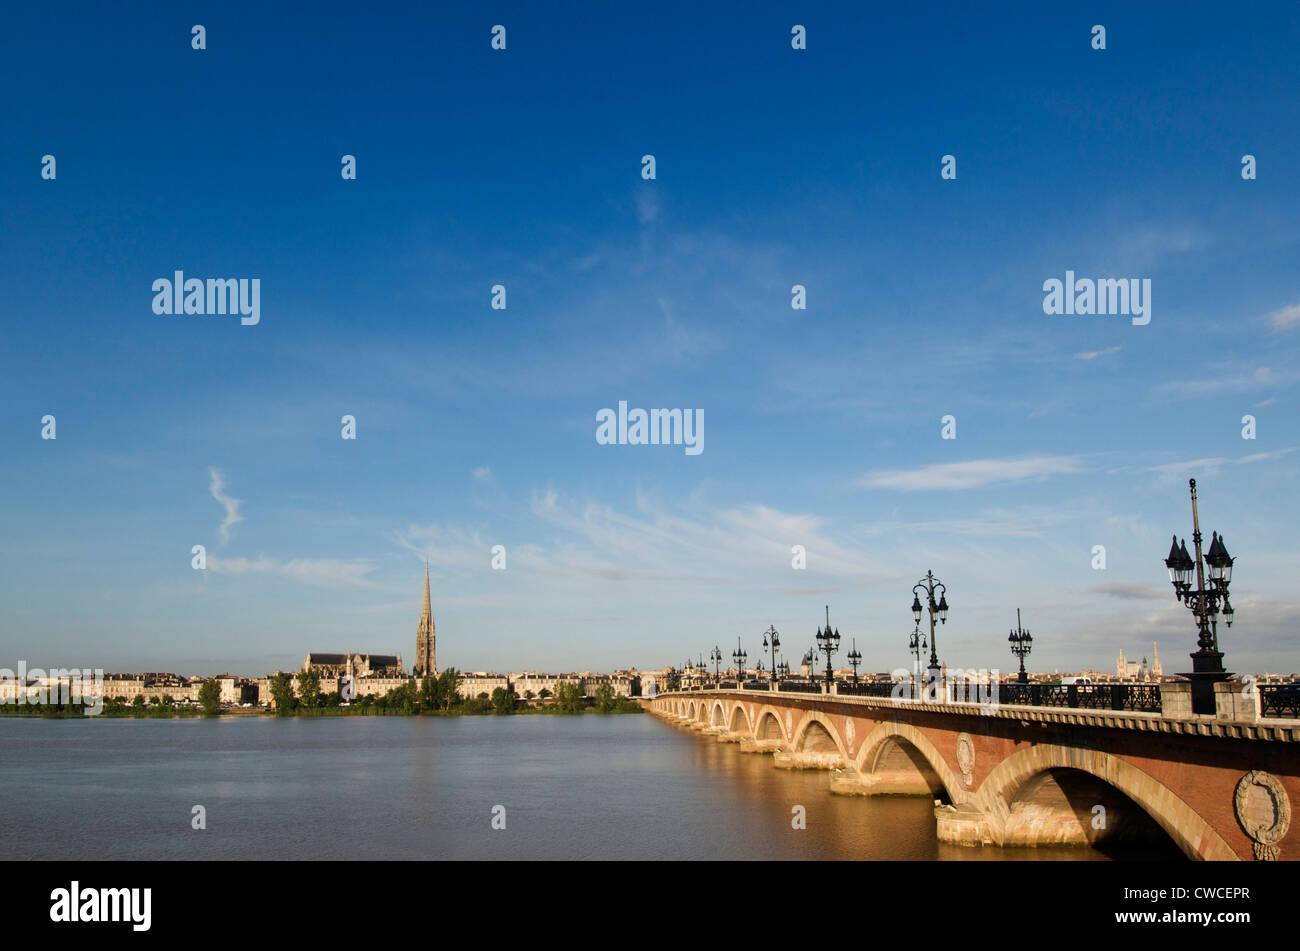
1220, 786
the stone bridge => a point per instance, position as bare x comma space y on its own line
1005, 775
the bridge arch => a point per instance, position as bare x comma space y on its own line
1008, 781
717, 714
900, 755
768, 725
739, 721
817, 734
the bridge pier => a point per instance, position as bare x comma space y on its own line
962, 824
798, 759
768, 747
882, 783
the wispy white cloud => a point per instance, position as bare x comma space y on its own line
217, 486
973, 474
1285, 318
1128, 589
1094, 354
1212, 464
695, 550
482, 474
321, 572
1232, 381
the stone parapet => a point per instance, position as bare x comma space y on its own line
1274, 730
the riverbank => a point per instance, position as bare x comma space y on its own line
168, 713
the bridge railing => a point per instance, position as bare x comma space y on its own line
867, 688
1279, 700
798, 686
1136, 698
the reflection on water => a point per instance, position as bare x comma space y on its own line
621, 787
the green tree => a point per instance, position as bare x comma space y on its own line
138, 701
402, 698
605, 698
308, 687
503, 701
569, 698
282, 694
210, 696
449, 687
431, 692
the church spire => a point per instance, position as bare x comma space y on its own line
425, 664
426, 612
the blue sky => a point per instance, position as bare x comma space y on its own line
475, 427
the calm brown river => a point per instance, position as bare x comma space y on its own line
620, 787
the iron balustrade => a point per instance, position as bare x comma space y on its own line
968, 692
865, 688
1276, 700
1279, 700
1136, 698
796, 686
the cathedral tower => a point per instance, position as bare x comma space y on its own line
425, 664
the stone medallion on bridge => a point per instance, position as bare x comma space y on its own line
1264, 811
966, 758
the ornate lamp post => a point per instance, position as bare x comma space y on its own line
828, 641
739, 656
1021, 643
715, 655
1203, 600
916, 643
938, 611
772, 644
855, 659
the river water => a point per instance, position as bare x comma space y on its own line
591, 787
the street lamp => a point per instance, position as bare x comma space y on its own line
715, 655
772, 644
739, 656
828, 641
938, 611
1021, 643
916, 643
855, 659
1203, 600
